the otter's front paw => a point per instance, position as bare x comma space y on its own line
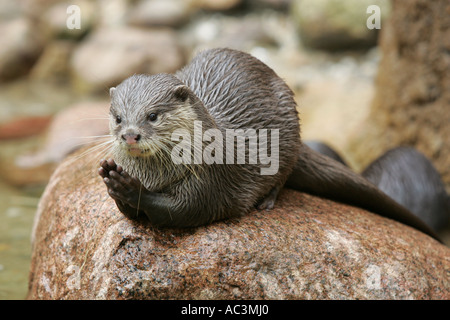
108, 165
124, 189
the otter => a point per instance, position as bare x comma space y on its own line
408, 177
325, 149
223, 89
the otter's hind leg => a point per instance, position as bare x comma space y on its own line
268, 201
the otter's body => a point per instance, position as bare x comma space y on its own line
409, 178
225, 90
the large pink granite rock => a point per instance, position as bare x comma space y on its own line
306, 248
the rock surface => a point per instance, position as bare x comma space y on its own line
306, 248
411, 103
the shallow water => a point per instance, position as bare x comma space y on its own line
16, 218
18, 205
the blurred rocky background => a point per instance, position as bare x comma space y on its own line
54, 81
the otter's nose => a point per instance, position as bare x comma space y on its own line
131, 138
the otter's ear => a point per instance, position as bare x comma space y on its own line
181, 93
111, 91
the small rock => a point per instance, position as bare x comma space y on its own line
23, 127
55, 19
75, 127
281, 5
35, 9
336, 25
110, 55
112, 13
20, 47
305, 248
215, 5
10, 9
267, 30
53, 64
167, 13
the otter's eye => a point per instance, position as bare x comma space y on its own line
118, 119
152, 116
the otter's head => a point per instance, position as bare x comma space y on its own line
145, 110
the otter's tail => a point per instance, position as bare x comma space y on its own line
319, 175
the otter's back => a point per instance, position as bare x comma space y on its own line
240, 91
